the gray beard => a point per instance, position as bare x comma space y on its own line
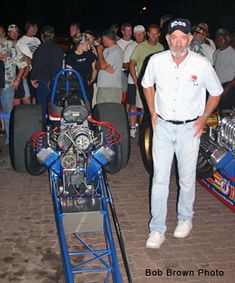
179, 54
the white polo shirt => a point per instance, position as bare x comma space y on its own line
181, 90
127, 56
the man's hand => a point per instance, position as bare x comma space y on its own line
100, 48
110, 69
199, 125
34, 83
15, 84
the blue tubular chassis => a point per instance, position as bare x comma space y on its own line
106, 257
84, 258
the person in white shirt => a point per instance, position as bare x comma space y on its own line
200, 37
27, 44
179, 112
126, 30
133, 96
224, 63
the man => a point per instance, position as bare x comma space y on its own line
199, 44
110, 58
224, 62
22, 94
133, 97
27, 44
126, 30
47, 61
12, 57
75, 35
178, 115
141, 53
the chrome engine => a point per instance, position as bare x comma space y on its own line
76, 150
217, 148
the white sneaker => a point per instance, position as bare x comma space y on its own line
133, 132
155, 239
183, 228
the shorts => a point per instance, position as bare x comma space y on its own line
19, 93
109, 94
133, 96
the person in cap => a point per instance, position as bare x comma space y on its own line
175, 84
22, 90
133, 97
199, 45
204, 29
12, 58
224, 63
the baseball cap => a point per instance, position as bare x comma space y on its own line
183, 25
199, 29
222, 31
204, 26
139, 28
12, 26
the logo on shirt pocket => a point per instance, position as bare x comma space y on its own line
194, 80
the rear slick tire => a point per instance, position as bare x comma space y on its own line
25, 121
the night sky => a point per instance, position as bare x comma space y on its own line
100, 14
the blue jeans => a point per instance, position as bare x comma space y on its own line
167, 140
7, 97
42, 93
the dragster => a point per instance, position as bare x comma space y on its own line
77, 147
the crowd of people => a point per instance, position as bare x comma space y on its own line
111, 63
173, 70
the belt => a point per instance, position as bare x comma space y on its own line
176, 122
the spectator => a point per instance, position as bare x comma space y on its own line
115, 28
47, 61
12, 57
224, 62
28, 43
75, 34
199, 44
142, 52
164, 21
178, 114
22, 94
110, 59
126, 30
133, 97
83, 60
205, 31
90, 39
